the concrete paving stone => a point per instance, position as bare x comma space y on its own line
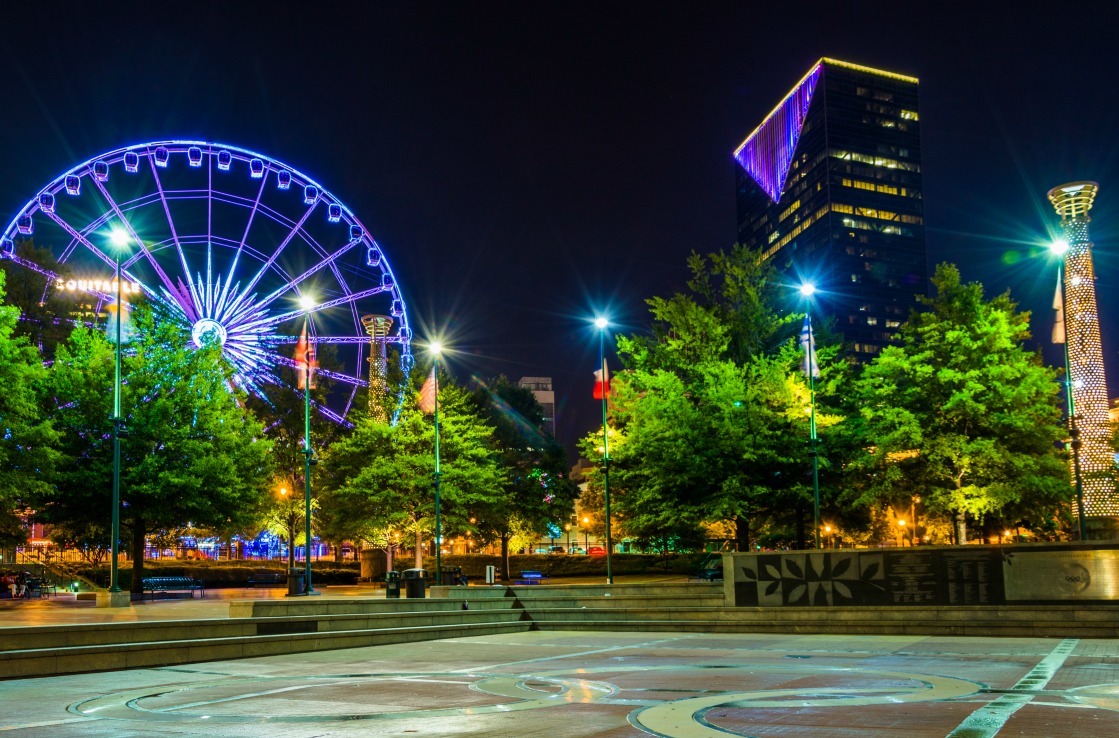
570, 684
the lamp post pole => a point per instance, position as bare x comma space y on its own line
119, 241
1074, 433
602, 324
438, 474
807, 290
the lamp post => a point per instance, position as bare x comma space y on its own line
307, 303
119, 239
901, 523
1059, 248
436, 349
567, 527
807, 290
602, 323
586, 536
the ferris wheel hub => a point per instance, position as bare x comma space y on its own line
206, 327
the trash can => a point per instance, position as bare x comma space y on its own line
415, 580
295, 582
392, 585
452, 575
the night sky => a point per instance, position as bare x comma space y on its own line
526, 164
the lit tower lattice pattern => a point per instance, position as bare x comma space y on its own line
1085, 354
377, 326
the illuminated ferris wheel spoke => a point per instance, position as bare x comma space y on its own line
292, 314
174, 238
279, 249
330, 260
134, 236
83, 240
337, 376
241, 244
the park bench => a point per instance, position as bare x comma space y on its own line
171, 584
37, 587
531, 577
268, 578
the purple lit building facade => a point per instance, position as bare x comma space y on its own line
829, 187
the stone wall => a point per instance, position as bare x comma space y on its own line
924, 575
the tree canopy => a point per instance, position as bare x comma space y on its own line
962, 414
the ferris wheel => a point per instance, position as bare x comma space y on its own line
231, 244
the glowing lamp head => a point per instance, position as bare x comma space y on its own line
435, 348
306, 302
119, 238
1059, 248
807, 289
601, 323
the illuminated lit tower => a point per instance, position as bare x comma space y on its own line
829, 189
377, 326
1085, 354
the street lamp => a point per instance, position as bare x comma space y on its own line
602, 323
119, 240
586, 536
807, 290
902, 524
1060, 248
436, 348
308, 304
567, 527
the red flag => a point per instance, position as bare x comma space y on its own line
304, 357
428, 393
602, 388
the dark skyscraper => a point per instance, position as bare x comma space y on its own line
830, 187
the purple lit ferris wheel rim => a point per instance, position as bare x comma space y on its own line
271, 235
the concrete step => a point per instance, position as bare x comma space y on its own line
318, 606
62, 636
77, 659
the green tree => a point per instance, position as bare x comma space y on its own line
710, 416
538, 494
28, 442
961, 414
383, 475
193, 455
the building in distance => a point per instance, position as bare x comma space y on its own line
829, 189
541, 388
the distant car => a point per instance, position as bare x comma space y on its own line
576, 550
556, 550
597, 551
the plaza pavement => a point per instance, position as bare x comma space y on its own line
570, 684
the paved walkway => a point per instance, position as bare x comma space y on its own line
574, 684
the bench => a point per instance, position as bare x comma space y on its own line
39, 587
268, 578
171, 584
531, 577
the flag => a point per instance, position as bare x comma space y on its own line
602, 388
808, 345
304, 359
1059, 324
428, 393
